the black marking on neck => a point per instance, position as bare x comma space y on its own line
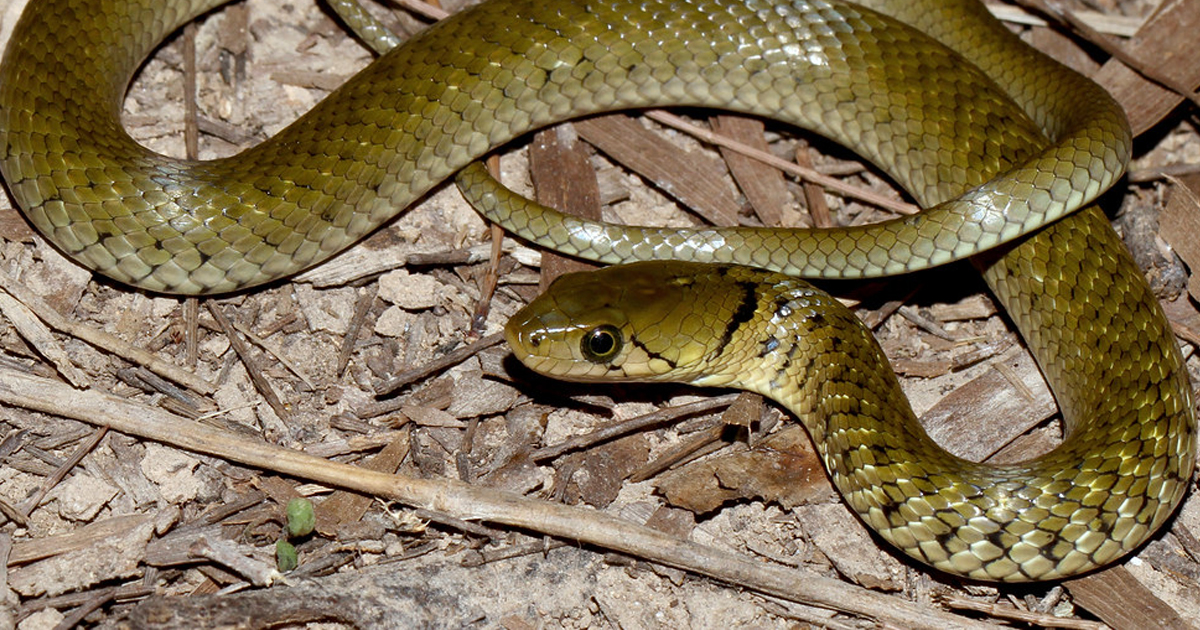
769, 345
744, 313
783, 307
637, 343
793, 349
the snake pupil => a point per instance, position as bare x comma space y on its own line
601, 343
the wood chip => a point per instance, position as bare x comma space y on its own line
109, 554
563, 179
343, 507
1166, 38
1118, 599
697, 180
1179, 225
764, 187
604, 468
976, 419
782, 468
849, 546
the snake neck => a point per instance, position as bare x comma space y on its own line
806, 351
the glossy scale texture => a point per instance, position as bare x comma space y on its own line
475, 81
1121, 470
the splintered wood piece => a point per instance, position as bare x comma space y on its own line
1121, 601
38, 336
698, 181
82, 538
764, 187
1167, 38
1179, 225
983, 415
563, 179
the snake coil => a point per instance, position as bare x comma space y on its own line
942, 127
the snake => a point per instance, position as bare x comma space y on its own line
1005, 148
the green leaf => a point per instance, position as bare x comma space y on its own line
301, 519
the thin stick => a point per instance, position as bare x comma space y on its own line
191, 330
617, 429
361, 309
416, 374
191, 131
252, 368
101, 339
492, 277
806, 174
31, 504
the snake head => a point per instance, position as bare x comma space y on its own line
636, 322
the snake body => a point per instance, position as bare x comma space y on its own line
944, 128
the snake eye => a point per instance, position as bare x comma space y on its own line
601, 343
